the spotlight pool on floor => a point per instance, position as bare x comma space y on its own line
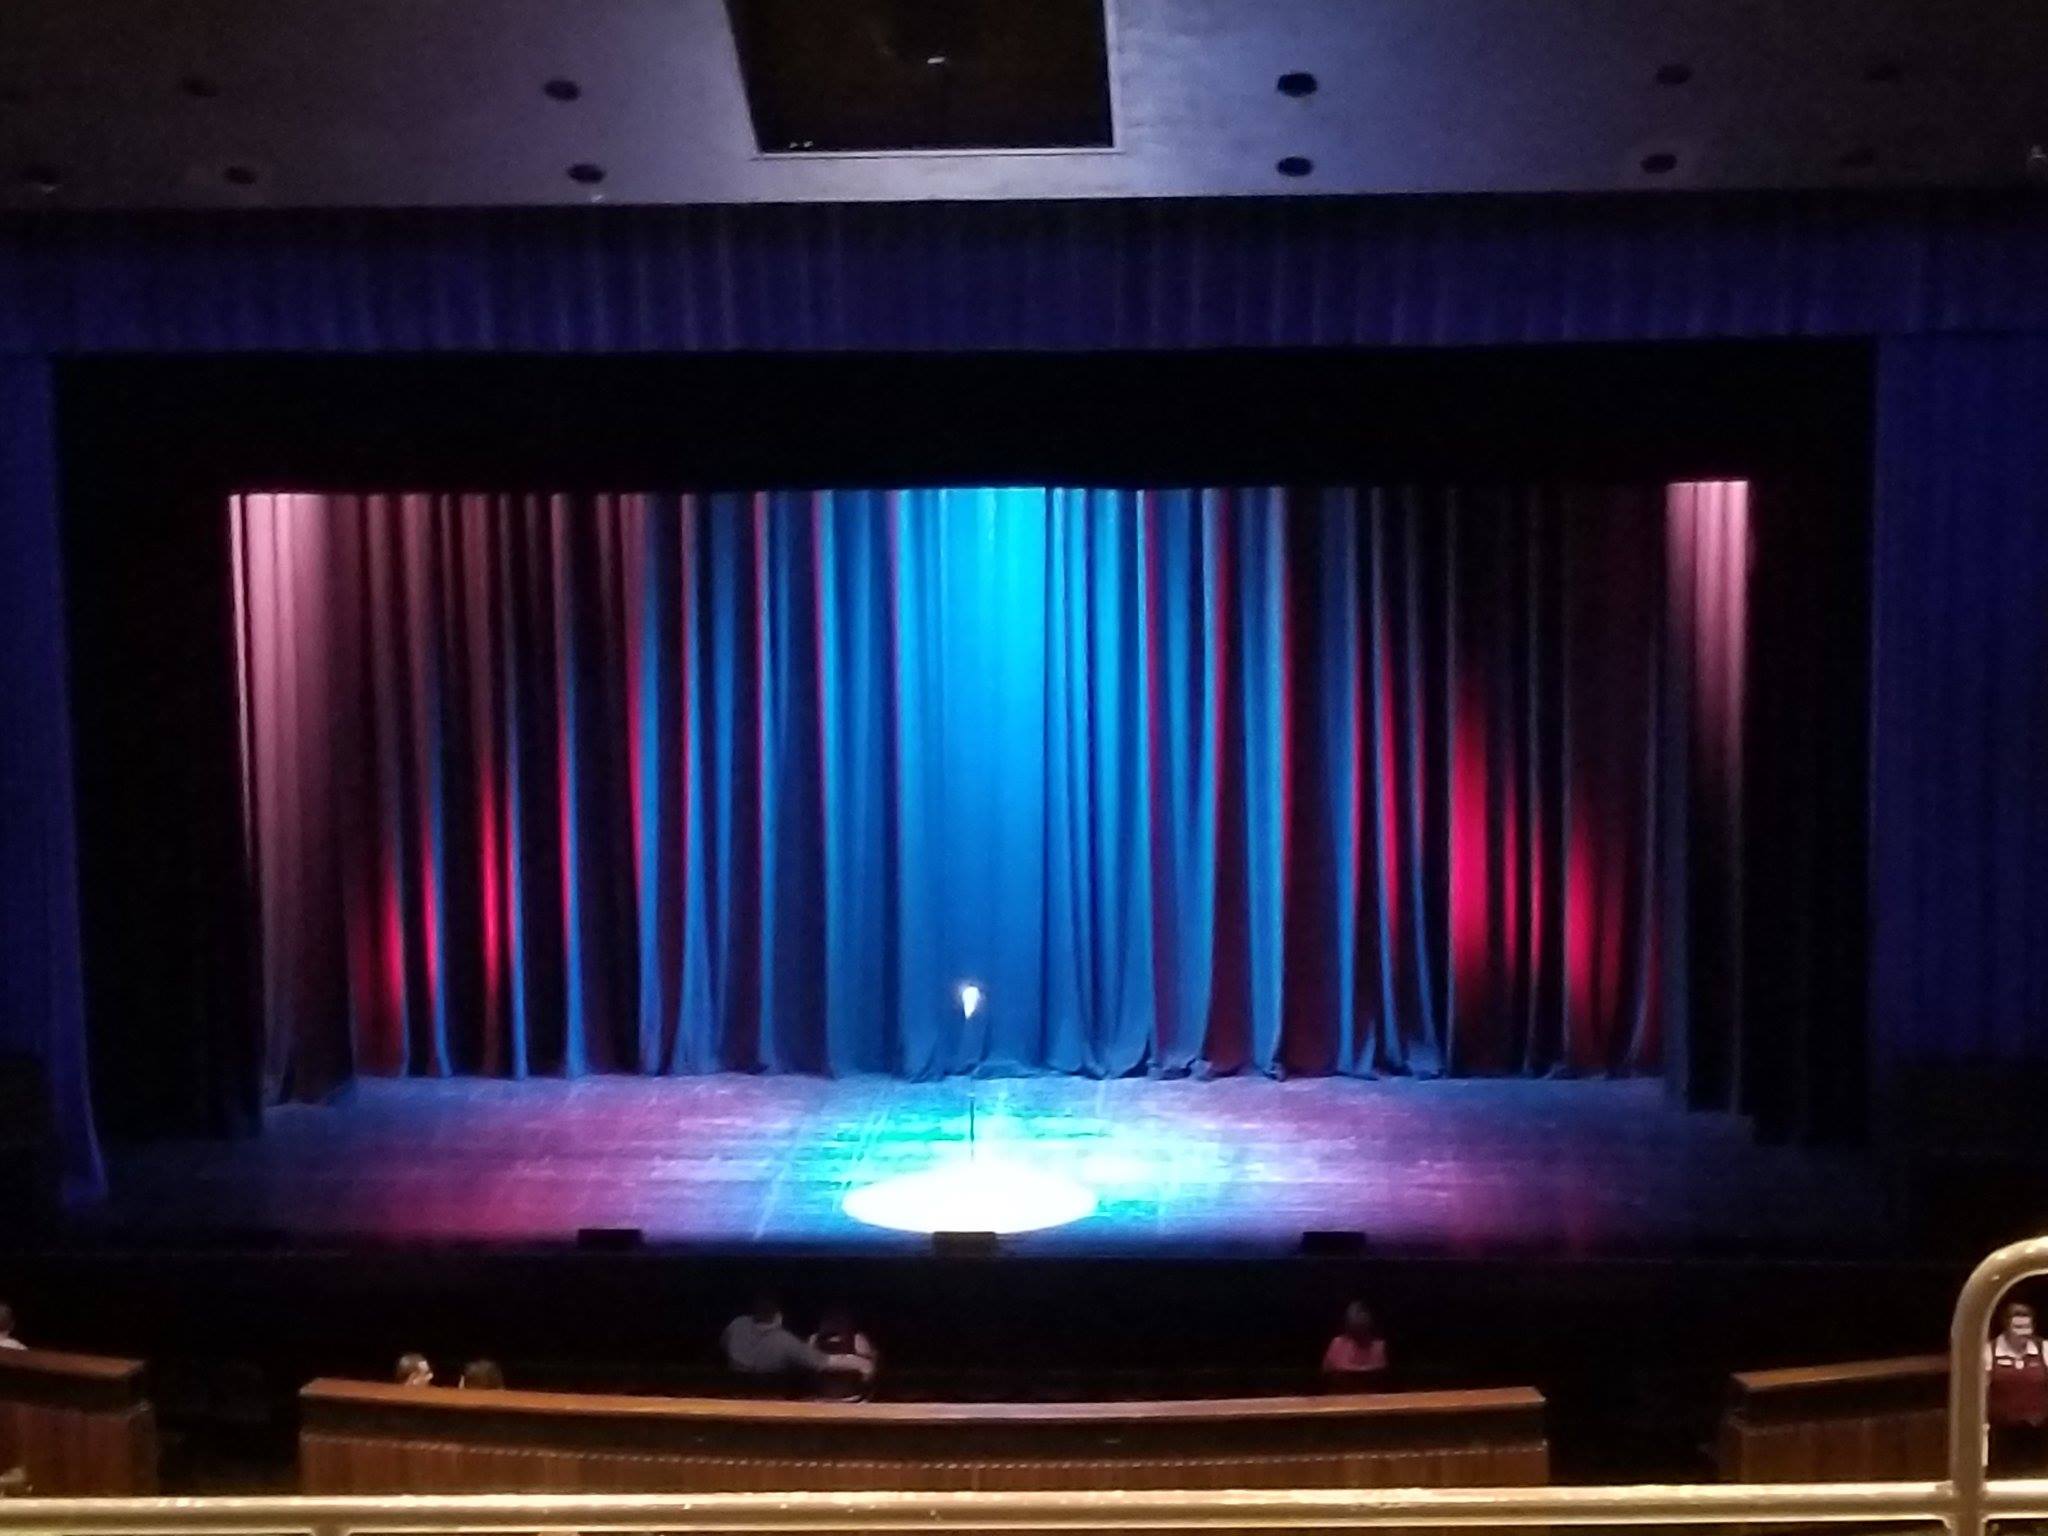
973, 1194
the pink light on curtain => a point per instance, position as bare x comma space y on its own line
418, 536
556, 511
475, 546
1708, 522
394, 956
1708, 550
1581, 924
286, 560
631, 513
1471, 858
1513, 879
488, 855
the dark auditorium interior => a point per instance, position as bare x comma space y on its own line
1019, 747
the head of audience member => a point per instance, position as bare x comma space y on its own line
7, 1338
484, 1376
413, 1370
763, 1354
1358, 1323
836, 1333
2016, 1324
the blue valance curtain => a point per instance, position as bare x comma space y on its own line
1167, 273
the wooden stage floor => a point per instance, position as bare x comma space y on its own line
1471, 1169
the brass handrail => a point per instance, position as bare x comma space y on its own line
1196, 1510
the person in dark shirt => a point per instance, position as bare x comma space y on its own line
837, 1339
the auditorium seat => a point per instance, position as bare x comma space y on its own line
78, 1424
1867, 1419
358, 1437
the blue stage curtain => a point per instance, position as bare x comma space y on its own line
42, 993
1045, 276
1349, 780
1959, 791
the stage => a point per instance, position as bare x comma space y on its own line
1236, 1166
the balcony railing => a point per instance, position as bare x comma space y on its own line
1962, 1503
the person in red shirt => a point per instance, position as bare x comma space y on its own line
1356, 1360
2016, 1396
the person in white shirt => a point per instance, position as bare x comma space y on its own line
762, 1351
2016, 1396
13, 1480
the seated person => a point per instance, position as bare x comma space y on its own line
764, 1353
1356, 1360
838, 1339
2016, 1396
482, 1376
413, 1370
13, 1479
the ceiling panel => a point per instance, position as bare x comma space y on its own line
143, 103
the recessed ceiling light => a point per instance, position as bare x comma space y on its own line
200, 87
1297, 83
1661, 162
561, 89
1295, 165
43, 178
586, 173
1674, 74
1883, 71
239, 175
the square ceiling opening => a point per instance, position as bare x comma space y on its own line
837, 76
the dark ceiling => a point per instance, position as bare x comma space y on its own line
141, 103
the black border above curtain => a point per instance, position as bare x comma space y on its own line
152, 448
